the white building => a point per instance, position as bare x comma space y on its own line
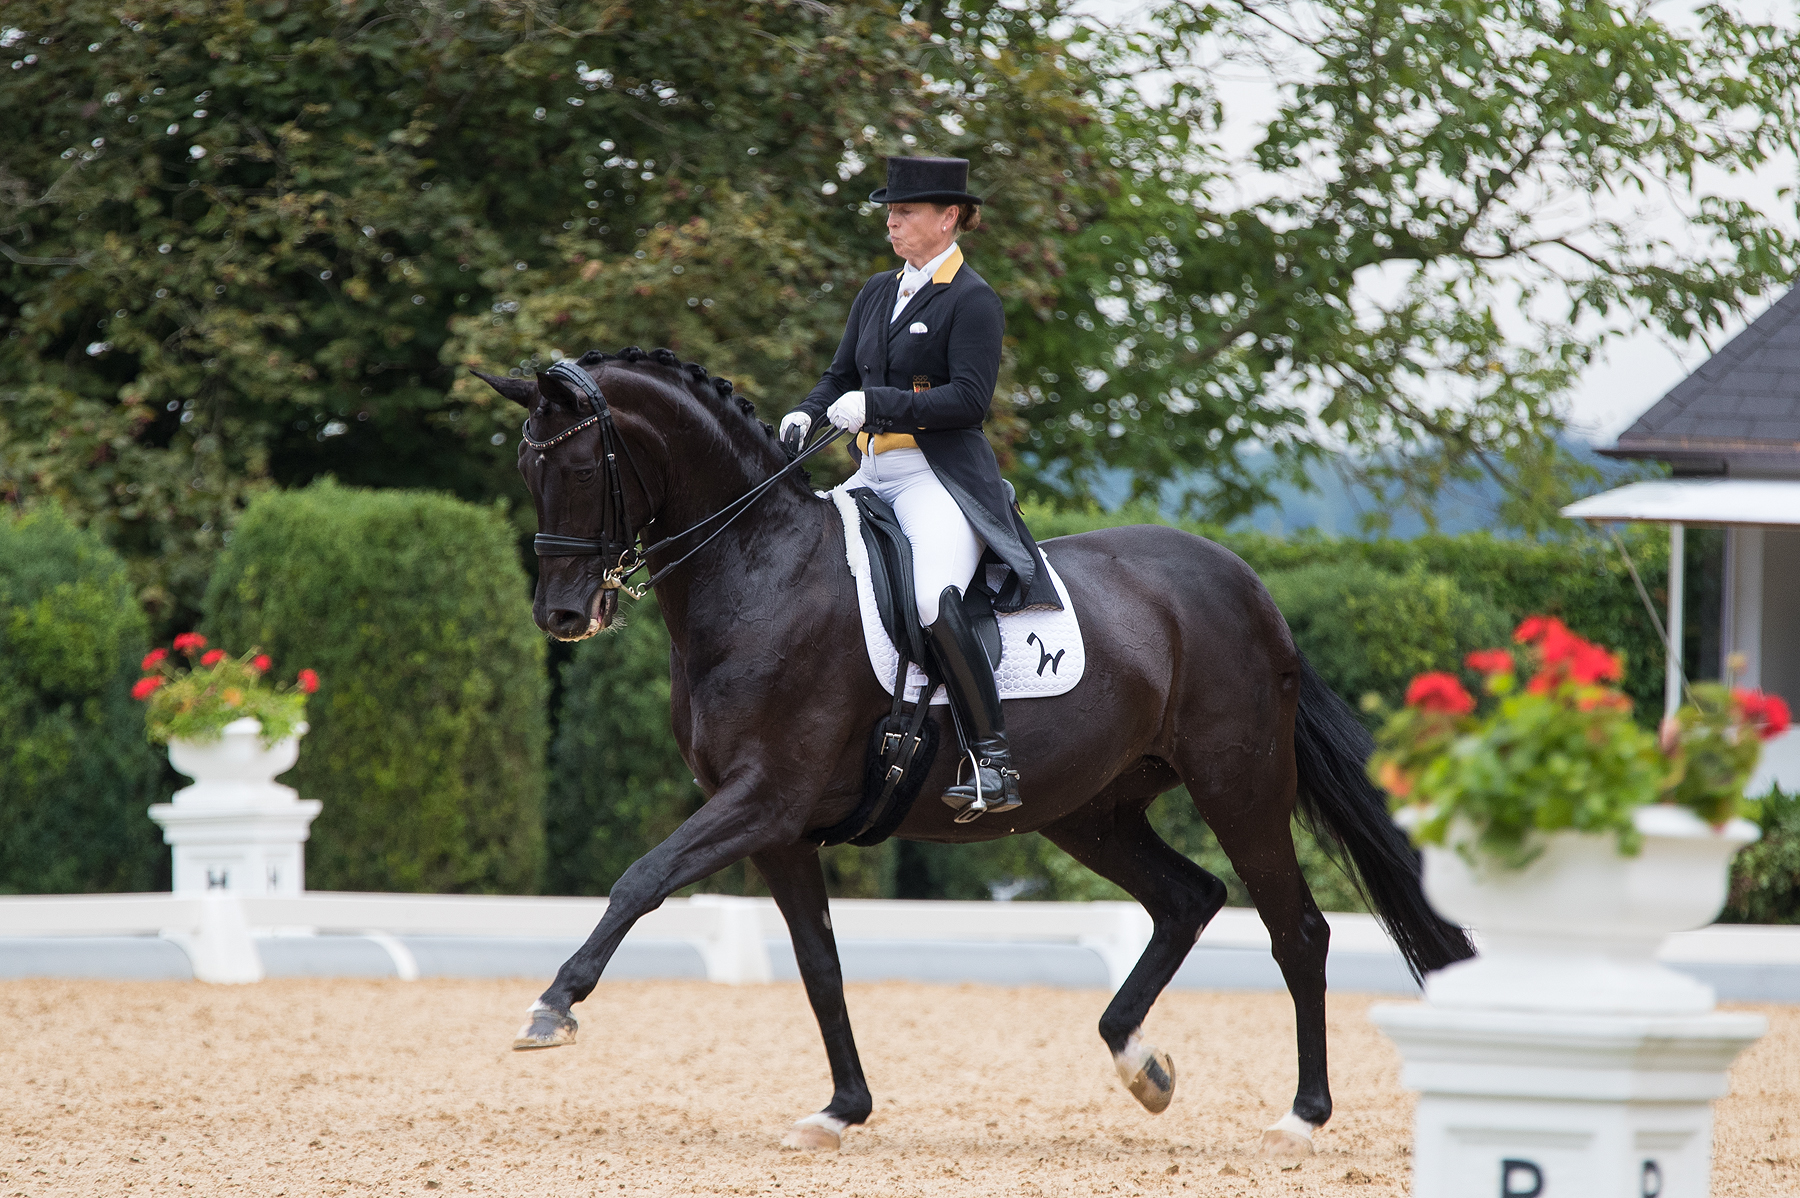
1731, 434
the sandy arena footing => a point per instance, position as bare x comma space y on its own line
678, 1088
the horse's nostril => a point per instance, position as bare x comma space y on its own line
567, 622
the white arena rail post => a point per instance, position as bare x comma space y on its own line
1123, 935
734, 950
221, 948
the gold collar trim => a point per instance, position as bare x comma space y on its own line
951, 265
947, 271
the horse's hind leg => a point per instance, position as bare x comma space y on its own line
1257, 837
797, 883
1118, 843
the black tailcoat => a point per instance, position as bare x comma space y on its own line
958, 355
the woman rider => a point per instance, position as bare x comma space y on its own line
912, 379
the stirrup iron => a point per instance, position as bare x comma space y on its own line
984, 800
977, 807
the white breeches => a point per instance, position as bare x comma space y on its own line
945, 549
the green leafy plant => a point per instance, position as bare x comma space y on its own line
1561, 752
1714, 742
195, 702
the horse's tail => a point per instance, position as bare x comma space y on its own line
1331, 748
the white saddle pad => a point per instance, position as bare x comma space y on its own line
1041, 655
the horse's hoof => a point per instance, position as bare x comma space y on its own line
547, 1029
1148, 1073
815, 1133
1289, 1140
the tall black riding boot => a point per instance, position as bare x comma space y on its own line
975, 703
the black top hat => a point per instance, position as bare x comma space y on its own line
926, 181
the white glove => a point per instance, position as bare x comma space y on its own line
848, 412
794, 427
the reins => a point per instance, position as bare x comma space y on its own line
630, 559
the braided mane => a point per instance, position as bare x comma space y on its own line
702, 385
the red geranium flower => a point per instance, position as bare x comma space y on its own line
145, 686
1589, 663
1565, 656
153, 658
309, 681
1769, 713
1490, 661
212, 657
260, 663
1440, 693
1536, 628
189, 642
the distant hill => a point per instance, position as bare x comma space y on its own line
1336, 507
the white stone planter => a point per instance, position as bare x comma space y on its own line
237, 767
1577, 930
236, 828
1565, 1059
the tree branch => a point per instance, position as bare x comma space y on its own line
28, 260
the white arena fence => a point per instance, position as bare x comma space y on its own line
229, 938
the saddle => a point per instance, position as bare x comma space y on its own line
904, 742
891, 570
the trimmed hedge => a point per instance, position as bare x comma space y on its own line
1370, 631
76, 772
1765, 878
1581, 580
1584, 582
428, 730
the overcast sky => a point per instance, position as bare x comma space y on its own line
1637, 367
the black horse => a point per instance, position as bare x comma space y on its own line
1192, 679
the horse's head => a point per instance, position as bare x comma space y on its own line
666, 444
584, 500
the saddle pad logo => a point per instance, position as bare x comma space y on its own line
1044, 657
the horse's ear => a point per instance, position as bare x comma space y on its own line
556, 390
521, 391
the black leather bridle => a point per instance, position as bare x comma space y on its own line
617, 542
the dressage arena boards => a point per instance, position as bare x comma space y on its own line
368, 1087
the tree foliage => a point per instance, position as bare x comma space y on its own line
253, 244
1449, 216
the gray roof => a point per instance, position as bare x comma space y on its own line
1739, 412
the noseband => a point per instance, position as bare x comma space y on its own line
620, 549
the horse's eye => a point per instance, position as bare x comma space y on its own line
582, 476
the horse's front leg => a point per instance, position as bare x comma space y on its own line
797, 881
736, 822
